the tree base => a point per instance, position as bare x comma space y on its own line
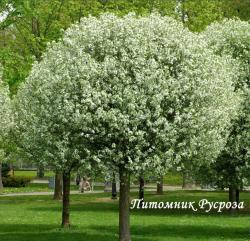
65, 225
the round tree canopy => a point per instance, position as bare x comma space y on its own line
232, 37
135, 92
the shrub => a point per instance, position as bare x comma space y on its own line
5, 170
13, 181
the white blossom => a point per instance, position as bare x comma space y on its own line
232, 38
6, 120
141, 92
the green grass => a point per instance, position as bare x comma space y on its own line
173, 179
32, 173
31, 187
94, 217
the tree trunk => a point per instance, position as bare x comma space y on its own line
160, 186
141, 189
182, 13
237, 196
188, 181
114, 192
66, 204
12, 169
1, 181
232, 194
124, 227
36, 32
233, 197
40, 172
58, 186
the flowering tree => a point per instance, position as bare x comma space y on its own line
5, 121
130, 93
232, 37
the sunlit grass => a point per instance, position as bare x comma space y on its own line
94, 217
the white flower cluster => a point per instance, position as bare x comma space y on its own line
138, 92
6, 120
232, 37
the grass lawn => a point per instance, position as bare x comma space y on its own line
31, 187
173, 178
94, 217
32, 173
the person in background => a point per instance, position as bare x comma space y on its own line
84, 184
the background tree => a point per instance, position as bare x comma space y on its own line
58, 186
30, 25
6, 121
232, 37
49, 130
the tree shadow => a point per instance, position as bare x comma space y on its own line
113, 208
42, 232
185, 231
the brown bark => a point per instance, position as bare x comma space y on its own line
35, 25
141, 189
237, 196
58, 186
66, 203
160, 186
1, 181
114, 192
234, 196
40, 172
124, 227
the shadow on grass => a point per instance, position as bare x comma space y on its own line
26, 232
113, 207
170, 232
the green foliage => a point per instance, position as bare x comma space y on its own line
5, 170
200, 15
236, 8
12, 181
32, 24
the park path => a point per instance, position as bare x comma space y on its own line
51, 193
133, 189
149, 189
43, 193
